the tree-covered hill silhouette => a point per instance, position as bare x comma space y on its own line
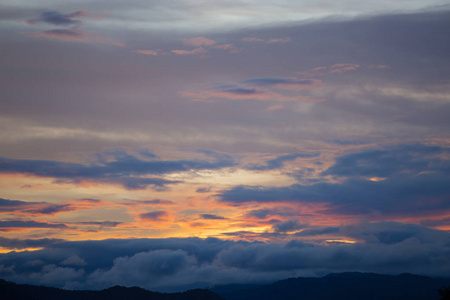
342, 286
13, 291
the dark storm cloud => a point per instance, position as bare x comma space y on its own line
176, 264
124, 169
413, 175
211, 217
278, 162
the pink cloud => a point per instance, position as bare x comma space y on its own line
68, 35
119, 44
199, 41
334, 69
190, 52
74, 35
227, 47
230, 94
246, 94
146, 52
279, 40
342, 68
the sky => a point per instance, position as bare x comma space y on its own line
184, 144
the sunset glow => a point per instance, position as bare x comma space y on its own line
220, 138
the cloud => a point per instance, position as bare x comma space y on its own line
411, 159
52, 274
177, 264
211, 217
9, 225
334, 69
195, 51
203, 190
266, 40
74, 260
124, 169
202, 45
288, 226
68, 35
128, 202
147, 52
262, 213
27, 243
59, 19
435, 222
71, 31
286, 83
75, 35
144, 266
246, 93
415, 181
279, 162
33, 208
100, 223
154, 215
278, 40
199, 41
342, 68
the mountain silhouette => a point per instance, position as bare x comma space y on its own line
342, 286
13, 291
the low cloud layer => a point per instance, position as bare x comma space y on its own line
177, 264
